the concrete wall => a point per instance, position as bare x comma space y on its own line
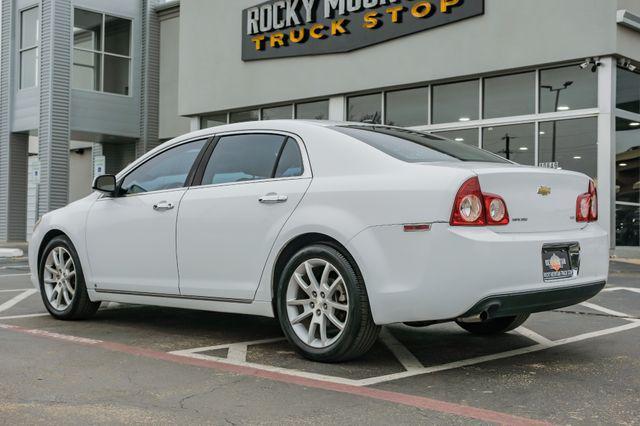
213, 76
80, 174
171, 124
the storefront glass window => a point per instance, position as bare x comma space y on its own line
456, 102
278, 113
213, 120
313, 110
627, 183
365, 109
241, 116
628, 96
510, 95
467, 136
29, 39
572, 144
515, 143
406, 108
568, 88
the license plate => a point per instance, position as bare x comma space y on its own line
556, 264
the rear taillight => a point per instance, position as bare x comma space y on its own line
587, 205
473, 208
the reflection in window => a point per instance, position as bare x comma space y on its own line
510, 95
406, 108
313, 110
242, 116
515, 143
278, 113
102, 52
365, 109
627, 225
29, 39
168, 170
456, 102
628, 93
242, 158
627, 161
572, 144
213, 120
568, 88
467, 136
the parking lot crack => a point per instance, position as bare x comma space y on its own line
596, 314
211, 390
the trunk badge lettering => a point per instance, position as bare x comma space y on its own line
544, 191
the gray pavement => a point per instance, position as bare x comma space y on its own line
578, 365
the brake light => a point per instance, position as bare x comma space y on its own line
587, 205
473, 208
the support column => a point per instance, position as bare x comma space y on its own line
55, 82
150, 82
338, 108
606, 146
14, 148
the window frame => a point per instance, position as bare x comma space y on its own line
190, 175
22, 49
209, 151
102, 53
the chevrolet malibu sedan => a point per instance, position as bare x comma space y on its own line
332, 228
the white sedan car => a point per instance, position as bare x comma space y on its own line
333, 228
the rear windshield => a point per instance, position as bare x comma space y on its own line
417, 147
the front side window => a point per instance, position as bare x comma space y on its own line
29, 40
168, 170
416, 147
101, 52
243, 158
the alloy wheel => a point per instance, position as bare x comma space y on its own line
317, 303
59, 278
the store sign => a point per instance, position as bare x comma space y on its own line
285, 28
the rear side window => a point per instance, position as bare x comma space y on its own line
242, 158
417, 147
167, 170
290, 163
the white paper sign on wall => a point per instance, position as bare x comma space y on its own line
99, 165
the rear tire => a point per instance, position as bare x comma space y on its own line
62, 284
323, 307
495, 325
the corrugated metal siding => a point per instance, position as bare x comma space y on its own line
55, 76
150, 87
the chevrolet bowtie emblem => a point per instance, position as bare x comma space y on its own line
544, 191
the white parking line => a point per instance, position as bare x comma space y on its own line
605, 310
12, 317
14, 275
411, 364
406, 358
19, 298
633, 289
14, 290
530, 334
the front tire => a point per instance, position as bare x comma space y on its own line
62, 284
323, 306
494, 325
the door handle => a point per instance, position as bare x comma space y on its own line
273, 199
163, 206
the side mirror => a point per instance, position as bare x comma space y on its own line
105, 184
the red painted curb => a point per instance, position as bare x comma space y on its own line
367, 392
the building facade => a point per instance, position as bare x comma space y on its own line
88, 85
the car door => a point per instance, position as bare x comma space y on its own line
250, 186
131, 238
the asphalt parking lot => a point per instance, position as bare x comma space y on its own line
135, 364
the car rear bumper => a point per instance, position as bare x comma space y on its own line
510, 304
447, 272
